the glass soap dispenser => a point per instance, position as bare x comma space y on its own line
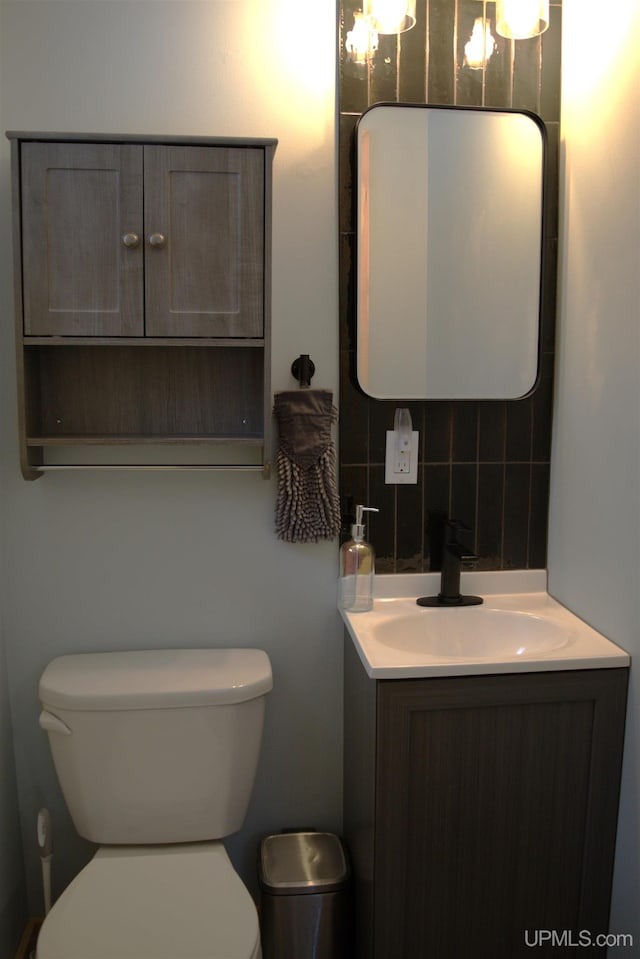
357, 567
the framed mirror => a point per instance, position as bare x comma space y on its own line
449, 242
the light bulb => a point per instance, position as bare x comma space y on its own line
521, 19
480, 46
362, 40
390, 16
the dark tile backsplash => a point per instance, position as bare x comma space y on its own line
483, 463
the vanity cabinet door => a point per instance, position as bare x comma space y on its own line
496, 806
82, 249
204, 226
479, 810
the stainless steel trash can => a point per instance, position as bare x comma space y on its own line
304, 881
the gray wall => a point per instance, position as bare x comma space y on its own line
594, 531
186, 559
13, 900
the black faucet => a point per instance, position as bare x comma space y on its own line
455, 557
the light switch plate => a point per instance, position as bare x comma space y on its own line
401, 472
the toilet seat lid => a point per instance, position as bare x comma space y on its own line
153, 902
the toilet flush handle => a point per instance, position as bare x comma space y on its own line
52, 724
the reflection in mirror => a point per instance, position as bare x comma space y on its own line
449, 252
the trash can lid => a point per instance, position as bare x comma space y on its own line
302, 862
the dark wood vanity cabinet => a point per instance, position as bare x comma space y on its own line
481, 810
142, 291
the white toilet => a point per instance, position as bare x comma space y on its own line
156, 754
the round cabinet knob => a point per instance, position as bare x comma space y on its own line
131, 239
157, 239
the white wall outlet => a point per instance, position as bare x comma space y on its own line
401, 464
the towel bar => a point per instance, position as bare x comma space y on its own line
264, 468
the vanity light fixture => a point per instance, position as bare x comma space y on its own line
362, 40
390, 16
480, 45
521, 19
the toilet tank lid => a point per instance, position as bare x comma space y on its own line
155, 679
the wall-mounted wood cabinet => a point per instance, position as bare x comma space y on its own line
479, 810
143, 298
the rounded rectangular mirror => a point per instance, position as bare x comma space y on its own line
449, 230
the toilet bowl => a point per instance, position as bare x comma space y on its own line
154, 902
156, 754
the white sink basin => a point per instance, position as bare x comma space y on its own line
518, 628
471, 632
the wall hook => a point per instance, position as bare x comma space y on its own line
303, 369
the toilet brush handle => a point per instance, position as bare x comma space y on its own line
45, 845
46, 884
45, 834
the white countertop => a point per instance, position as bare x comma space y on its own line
518, 628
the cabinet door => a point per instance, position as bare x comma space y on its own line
204, 227
82, 250
496, 812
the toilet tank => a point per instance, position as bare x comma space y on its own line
156, 746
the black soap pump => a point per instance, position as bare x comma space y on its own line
357, 561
